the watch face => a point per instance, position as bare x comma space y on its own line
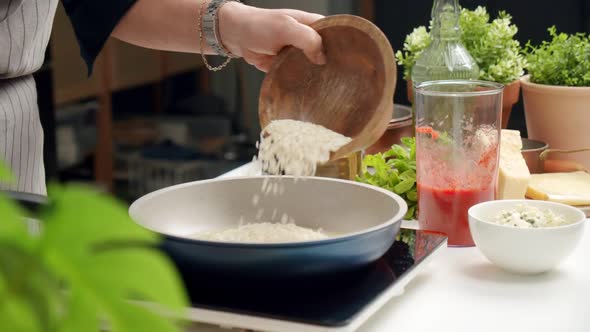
331, 300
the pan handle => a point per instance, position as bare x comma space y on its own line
544, 154
30, 202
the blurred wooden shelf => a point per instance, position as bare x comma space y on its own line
120, 66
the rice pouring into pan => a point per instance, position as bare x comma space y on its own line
295, 148
287, 147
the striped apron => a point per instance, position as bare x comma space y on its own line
25, 28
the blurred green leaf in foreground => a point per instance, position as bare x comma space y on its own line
85, 269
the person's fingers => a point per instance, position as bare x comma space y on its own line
262, 62
264, 66
304, 38
257, 32
301, 16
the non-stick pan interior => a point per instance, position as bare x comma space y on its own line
338, 207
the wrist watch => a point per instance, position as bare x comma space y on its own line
210, 28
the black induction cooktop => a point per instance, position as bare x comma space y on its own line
328, 300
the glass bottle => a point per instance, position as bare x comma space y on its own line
446, 57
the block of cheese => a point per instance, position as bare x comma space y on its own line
569, 188
514, 175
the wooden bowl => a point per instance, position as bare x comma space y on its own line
351, 94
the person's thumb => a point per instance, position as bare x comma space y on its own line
306, 39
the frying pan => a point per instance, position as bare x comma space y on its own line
30, 202
363, 221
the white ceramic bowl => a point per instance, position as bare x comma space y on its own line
525, 250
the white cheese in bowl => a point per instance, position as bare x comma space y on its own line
526, 216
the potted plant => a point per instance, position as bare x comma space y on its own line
492, 45
556, 93
78, 269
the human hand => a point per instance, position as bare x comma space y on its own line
258, 34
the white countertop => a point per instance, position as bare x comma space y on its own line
460, 291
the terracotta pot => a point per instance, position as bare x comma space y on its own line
559, 116
510, 97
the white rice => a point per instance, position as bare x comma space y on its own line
295, 148
264, 232
286, 147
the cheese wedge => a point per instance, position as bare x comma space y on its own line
568, 188
514, 175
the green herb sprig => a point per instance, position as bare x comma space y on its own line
394, 170
563, 61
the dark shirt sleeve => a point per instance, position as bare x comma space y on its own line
93, 22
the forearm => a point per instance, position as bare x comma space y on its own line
170, 25
256, 34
